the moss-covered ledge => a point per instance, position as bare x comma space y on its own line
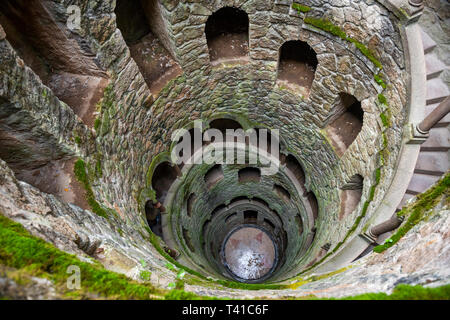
30, 256
418, 211
81, 174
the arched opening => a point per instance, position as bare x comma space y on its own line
294, 166
346, 123
186, 146
241, 198
131, 20
223, 124
351, 194
299, 222
141, 26
213, 176
250, 217
260, 201
204, 230
153, 215
63, 64
227, 34
187, 240
163, 177
230, 217
314, 204
249, 175
269, 223
190, 203
218, 209
297, 65
282, 192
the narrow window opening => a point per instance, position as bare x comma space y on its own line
213, 176
346, 123
250, 216
297, 66
282, 193
140, 25
187, 240
314, 204
227, 33
190, 204
163, 177
299, 222
294, 166
351, 194
218, 209
249, 175
230, 217
153, 215
270, 224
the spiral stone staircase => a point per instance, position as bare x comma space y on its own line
433, 159
91, 117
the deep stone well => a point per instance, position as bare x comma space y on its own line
364, 50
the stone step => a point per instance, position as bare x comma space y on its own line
437, 91
434, 66
445, 121
439, 140
421, 182
428, 43
432, 163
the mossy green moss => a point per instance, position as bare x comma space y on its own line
385, 120
145, 275
378, 176
98, 168
417, 211
382, 99
177, 294
329, 27
300, 8
106, 123
326, 26
400, 292
22, 251
251, 286
380, 80
385, 140
366, 51
372, 193
77, 140
97, 124
29, 254
156, 160
81, 175
407, 292
105, 109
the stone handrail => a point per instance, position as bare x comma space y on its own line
435, 116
